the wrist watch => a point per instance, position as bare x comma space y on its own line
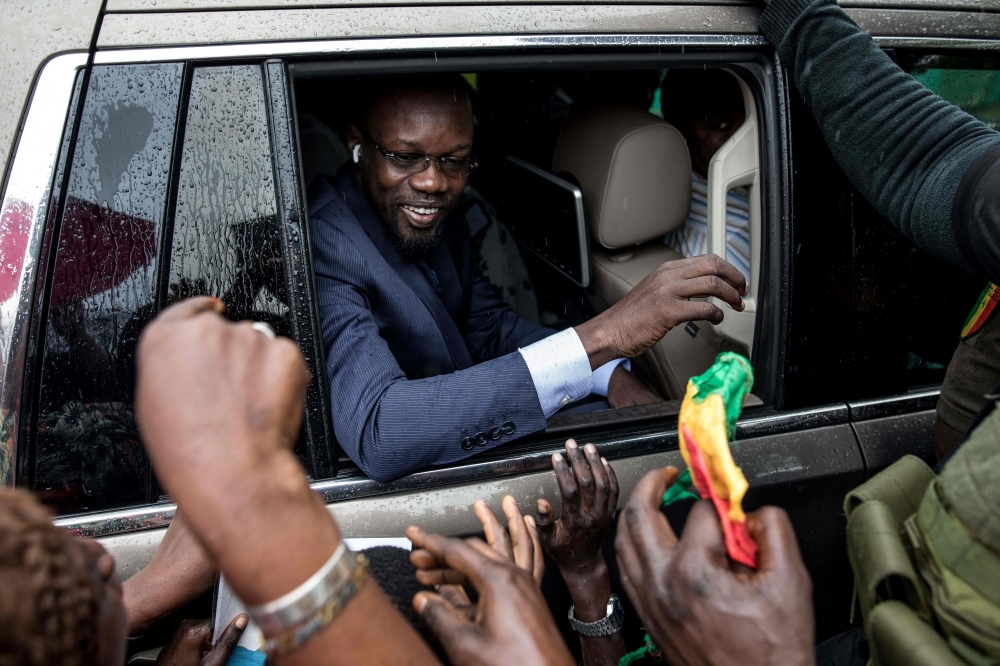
609, 624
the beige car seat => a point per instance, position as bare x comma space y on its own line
635, 174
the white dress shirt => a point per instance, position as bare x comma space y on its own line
560, 370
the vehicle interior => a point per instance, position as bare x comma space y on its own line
602, 130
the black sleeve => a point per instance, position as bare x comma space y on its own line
904, 148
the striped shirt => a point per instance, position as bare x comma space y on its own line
691, 238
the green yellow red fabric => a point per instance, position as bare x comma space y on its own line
983, 310
707, 422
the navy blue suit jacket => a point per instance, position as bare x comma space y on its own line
414, 370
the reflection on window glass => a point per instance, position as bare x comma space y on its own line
975, 91
103, 290
226, 239
971, 82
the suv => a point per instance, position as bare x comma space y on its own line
164, 152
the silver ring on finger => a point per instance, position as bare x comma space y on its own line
264, 328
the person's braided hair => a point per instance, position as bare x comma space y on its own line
49, 599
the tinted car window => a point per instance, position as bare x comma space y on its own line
103, 290
226, 240
971, 82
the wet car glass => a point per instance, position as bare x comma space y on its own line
104, 290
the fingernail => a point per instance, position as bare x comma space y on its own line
419, 602
557, 457
590, 448
541, 506
530, 520
604, 460
241, 621
570, 444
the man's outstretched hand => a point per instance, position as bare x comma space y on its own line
512, 623
661, 301
699, 607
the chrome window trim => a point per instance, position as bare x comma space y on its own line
938, 43
895, 405
355, 486
29, 185
399, 44
396, 44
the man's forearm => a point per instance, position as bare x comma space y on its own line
903, 147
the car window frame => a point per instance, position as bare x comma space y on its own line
631, 441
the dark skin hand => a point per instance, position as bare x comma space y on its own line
627, 390
699, 607
179, 572
219, 407
518, 543
512, 623
661, 301
589, 490
191, 644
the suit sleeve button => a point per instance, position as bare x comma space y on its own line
481, 438
468, 443
507, 428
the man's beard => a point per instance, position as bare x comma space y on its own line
409, 246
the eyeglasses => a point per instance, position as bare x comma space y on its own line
411, 163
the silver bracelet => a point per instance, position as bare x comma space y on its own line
307, 599
611, 623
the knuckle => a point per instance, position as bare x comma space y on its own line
571, 493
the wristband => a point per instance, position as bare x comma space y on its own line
294, 638
307, 599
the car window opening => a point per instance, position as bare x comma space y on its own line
636, 145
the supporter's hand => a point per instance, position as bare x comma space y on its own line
699, 607
219, 407
178, 573
512, 623
589, 490
520, 546
627, 390
191, 644
212, 395
661, 301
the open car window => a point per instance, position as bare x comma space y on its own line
626, 147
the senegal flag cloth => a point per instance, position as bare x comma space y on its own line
982, 311
706, 425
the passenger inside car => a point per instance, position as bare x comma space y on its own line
425, 362
707, 107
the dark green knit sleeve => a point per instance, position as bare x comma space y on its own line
902, 146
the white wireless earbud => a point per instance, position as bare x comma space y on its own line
357, 153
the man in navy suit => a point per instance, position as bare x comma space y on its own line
426, 363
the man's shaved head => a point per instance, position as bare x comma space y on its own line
416, 117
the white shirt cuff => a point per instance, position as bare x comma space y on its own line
560, 370
602, 376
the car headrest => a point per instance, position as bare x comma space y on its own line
634, 171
